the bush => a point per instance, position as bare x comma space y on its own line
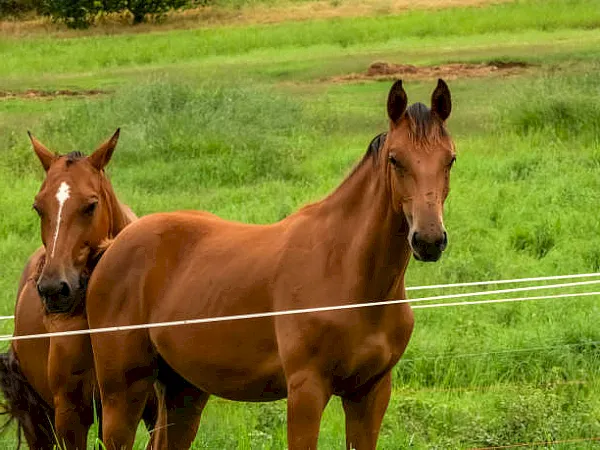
74, 13
15, 8
81, 13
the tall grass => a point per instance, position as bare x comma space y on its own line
227, 135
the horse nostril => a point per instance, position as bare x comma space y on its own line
40, 289
444, 241
65, 290
49, 288
415, 240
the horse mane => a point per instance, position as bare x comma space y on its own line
120, 212
425, 129
104, 245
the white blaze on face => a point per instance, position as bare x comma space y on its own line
62, 195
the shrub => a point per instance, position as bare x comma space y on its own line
15, 8
81, 13
74, 13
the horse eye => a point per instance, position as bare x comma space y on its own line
89, 209
394, 162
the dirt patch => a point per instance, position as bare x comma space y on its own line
381, 70
37, 93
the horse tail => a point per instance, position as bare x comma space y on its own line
22, 403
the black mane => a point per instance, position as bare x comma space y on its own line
74, 156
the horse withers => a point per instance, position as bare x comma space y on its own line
79, 213
352, 247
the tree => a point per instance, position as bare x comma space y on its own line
81, 13
16, 8
74, 13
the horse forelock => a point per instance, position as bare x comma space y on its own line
74, 156
425, 128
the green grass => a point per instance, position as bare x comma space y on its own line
249, 130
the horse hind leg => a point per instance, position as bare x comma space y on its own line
180, 408
150, 415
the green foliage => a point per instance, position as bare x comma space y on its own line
74, 13
82, 13
16, 8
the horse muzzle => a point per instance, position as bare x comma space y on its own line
59, 296
428, 249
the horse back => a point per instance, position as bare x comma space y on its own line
169, 255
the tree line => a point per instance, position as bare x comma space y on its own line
83, 13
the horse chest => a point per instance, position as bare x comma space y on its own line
348, 351
362, 362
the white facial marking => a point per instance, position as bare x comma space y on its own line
62, 195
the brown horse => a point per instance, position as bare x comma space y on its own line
353, 246
79, 212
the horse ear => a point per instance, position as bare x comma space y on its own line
45, 156
101, 156
441, 101
397, 101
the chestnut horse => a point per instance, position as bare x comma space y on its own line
353, 246
79, 212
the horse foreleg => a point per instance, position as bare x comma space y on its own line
72, 421
122, 409
364, 413
126, 371
70, 376
308, 394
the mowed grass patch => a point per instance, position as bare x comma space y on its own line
30, 56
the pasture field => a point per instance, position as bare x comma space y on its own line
252, 121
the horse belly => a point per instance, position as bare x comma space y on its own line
235, 360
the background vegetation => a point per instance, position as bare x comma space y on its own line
247, 122
82, 13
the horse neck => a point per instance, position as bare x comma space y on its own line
360, 222
119, 215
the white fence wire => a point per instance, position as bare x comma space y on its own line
249, 316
